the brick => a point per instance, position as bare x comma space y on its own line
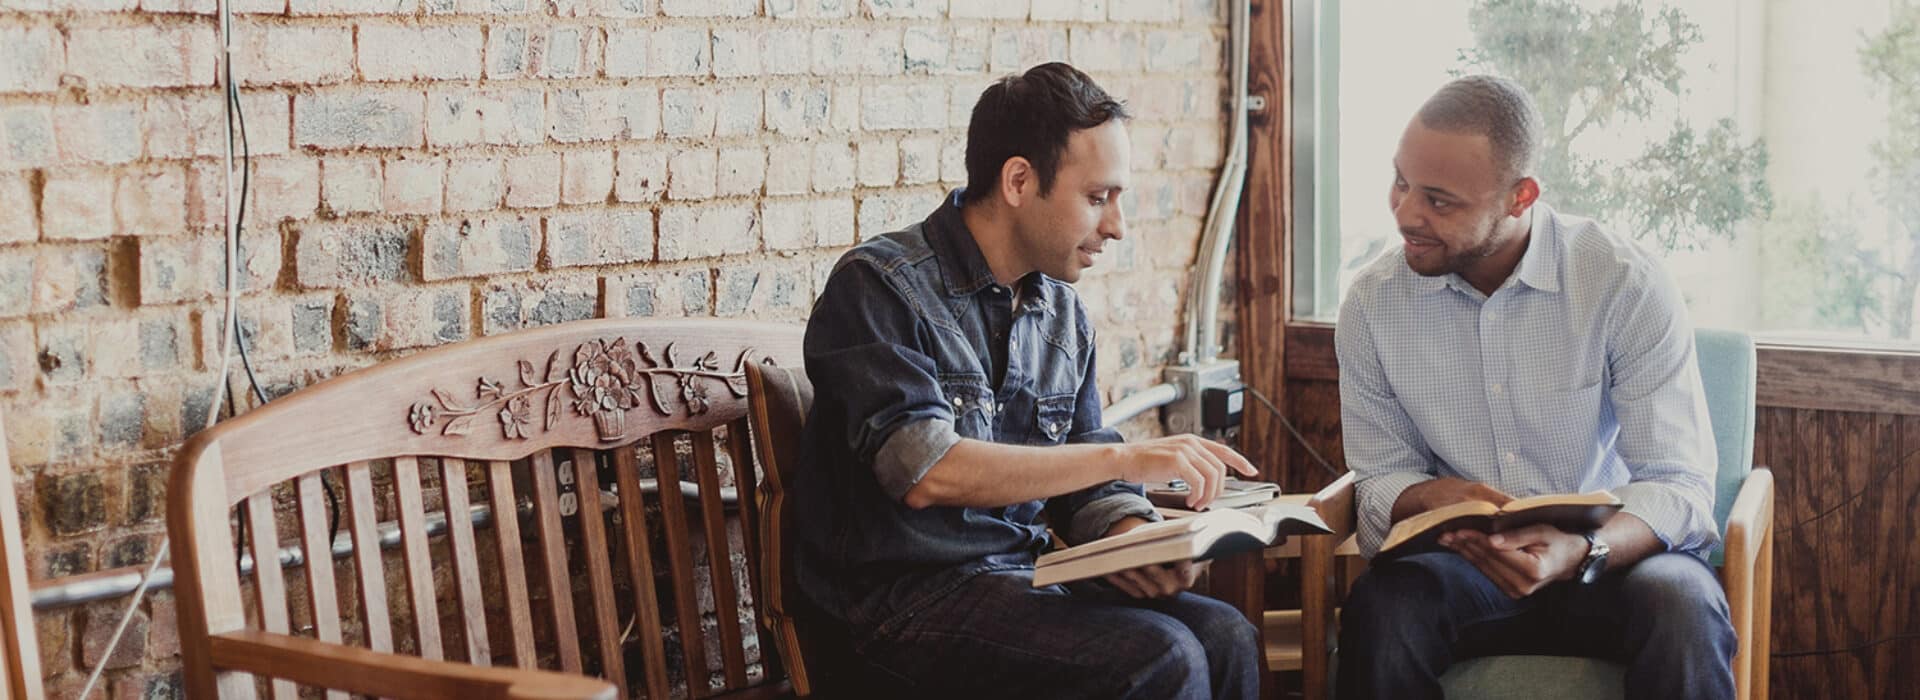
393, 53
736, 53
507, 52
885, 212
273, 329
123, 418
692, 174
352, 254
993, 9
475, 185
533, 180
879, 163
16, 355
147, 493
269, 54
640, 176
359, 119
789, 169
143, 56
77, 205
63, 279
970, 48
1015, 50
599, 238
826, 9
164, 642
686, 113
479, 246
512, 306
185, 127
798, 110
919, 160
152, 201
1105, 49
462, 117
62, 562
926, 49
201, 7
709, 8
838, 51
762, 290
1180, 52
833, 167
31, 59
1142, 11
737, 112
101, 620
953, 163
640, 107
917, 9
658, 293
19, 215
350, 185
352, 7
586, 177
312, 320
29, 136
113, 347
679, 51
283, 188
570, 52
192, 268
59, 429
72, 504
412, 317
132, 550
627, 51
845, 112
786, 51
164, 342
1065, 10
797, 224
98, 133
414, 185
575, 116
688, 233
903, 107
742, 171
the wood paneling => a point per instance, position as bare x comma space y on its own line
1840, 380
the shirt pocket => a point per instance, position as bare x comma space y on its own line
972, 406
1053, 419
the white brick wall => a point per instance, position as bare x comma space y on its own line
426, 171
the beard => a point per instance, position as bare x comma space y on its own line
1456, 262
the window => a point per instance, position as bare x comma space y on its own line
1769, 152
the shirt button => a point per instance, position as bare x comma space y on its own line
1510, 458
1013, 344
957, 403
1497, 389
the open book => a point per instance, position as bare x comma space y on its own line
1198, 538
1577, 513
1236, 493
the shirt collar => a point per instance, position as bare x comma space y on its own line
962, 264
1539, 267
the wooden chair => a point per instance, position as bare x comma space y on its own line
19, 641
574, 418
778, 399
1743, 508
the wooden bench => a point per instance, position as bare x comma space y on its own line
568, 427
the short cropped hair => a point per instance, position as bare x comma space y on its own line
1499, 109
1031, 116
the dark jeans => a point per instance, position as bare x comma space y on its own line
1410, 618
997, 636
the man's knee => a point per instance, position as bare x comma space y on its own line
1394, 593
1679, 593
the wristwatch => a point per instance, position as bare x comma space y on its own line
1596, 561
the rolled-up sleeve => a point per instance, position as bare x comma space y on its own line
1666, 438
1383, 446
865, 340
1090, 512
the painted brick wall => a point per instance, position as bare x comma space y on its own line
427, 171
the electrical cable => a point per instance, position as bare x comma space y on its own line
1324, 464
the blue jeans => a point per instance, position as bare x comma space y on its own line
1410, 618
997, 636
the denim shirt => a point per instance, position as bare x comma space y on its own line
913, 346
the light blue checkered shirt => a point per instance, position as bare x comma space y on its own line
1576, 375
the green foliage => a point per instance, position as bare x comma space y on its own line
1594, 70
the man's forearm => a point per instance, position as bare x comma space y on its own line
1630, 540
980, 474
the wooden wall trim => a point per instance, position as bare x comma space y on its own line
1822, 379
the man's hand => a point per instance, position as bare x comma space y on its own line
1200, 462
1444, 491
1523, 561
1152, 580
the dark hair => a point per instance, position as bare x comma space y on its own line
1030, 116
1496, 107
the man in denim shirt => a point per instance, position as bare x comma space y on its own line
956, 403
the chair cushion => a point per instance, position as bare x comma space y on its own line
1526, 677
1727, 376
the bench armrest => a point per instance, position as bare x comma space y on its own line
340, 667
